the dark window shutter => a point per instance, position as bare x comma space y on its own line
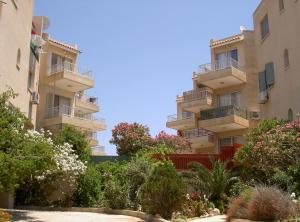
270, 75
262, 81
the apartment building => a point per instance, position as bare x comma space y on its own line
62, 89
252, 76
19, 55
276, 31
223, 103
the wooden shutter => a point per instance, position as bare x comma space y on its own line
270, 75
262, 81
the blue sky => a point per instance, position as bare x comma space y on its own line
142, 52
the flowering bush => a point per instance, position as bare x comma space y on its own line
178, 143
56, 182
129, 138
272, 154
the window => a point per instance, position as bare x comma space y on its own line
58, 63
281, 5
223, 60
290, 115
225, 142
286, 59
18, 59
264, 26
230, 99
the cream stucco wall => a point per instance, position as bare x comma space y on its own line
15, 26
284, 34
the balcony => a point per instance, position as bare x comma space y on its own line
68, 76
86, 104
199, 138
98, 151
220, 75
222, 119
92, 138
181, 122
196, 100
68, 115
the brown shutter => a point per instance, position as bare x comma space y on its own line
270, 75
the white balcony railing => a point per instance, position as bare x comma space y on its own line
209, 67
87, 99
184, 116
67, 66
198, 94
70, 112
100, 150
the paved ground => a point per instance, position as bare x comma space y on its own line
55, 216
221, 218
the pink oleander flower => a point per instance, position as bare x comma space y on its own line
298, 140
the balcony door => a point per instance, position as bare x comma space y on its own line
59, 62
230, 99
223, 60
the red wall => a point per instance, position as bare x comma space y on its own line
181, 161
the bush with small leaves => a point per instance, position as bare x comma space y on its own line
163, 192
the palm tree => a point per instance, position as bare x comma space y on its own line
213, 183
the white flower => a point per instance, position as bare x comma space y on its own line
293, 195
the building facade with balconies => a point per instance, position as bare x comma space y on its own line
62, 89
219, 110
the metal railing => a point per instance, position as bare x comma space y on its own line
91, 135
222, 111
198, 94
209, 67
71, 67
87, 99
70, 112
190, 134
185, 115
98, 150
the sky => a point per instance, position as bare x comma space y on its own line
142, 52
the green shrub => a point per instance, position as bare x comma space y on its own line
163, 192
89, 188
136, 172
116, 195
76, 138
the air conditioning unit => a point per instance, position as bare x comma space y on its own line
35, 98
263, 97
254, 115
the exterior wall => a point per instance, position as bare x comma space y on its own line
283, 34
15, 26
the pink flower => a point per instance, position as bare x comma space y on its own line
298, 140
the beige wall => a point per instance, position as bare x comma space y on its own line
284, 34
15, 26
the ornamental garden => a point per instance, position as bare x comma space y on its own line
54, 169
